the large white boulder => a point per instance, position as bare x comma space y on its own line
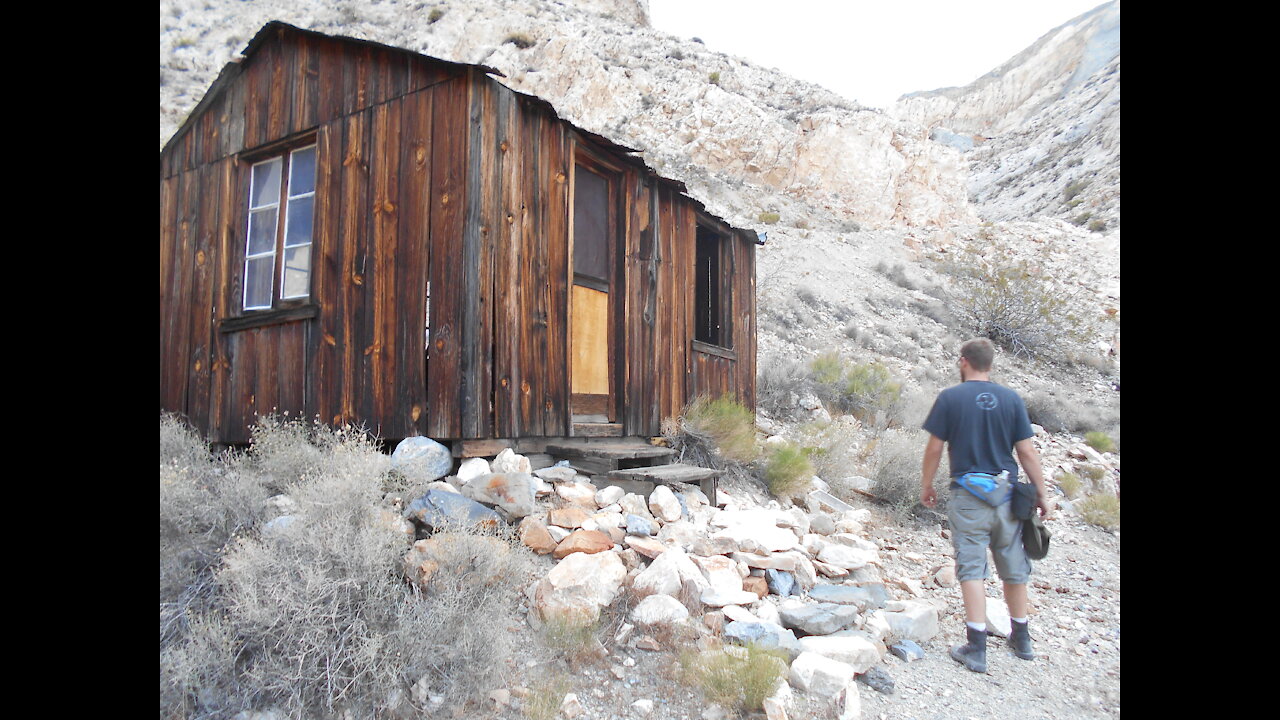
819, 675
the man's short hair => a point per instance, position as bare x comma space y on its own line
980, 352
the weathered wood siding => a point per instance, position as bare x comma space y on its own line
390, 130
428, 174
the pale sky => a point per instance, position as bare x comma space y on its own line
871, 51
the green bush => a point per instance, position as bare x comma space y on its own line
1098, 225
769, 218
1073, 190
1070, 484
787, 471
740, 678
864, 390
1102, 510
827, 368
727, 424
869, 388
1099, 441
714, 78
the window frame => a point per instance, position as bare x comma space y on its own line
282, 152
719, 342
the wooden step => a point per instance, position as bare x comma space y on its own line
599, 457
705, 478
589, 429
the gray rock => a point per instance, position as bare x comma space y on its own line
821, 523
637, 525
764, 634
861, 597
439, 508
907, 650
914, 621
877, 679
278, 525
819, 619
819, 676
422, 458
781, 583
855, 649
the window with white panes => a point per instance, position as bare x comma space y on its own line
277, 259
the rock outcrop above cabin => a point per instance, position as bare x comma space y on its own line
745, 139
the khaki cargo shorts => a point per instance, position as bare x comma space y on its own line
975, 527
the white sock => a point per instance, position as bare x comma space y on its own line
1019, 620
980, 627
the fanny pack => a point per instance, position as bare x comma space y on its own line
994, 490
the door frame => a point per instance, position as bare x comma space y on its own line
592, 160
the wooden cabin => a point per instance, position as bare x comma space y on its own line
365, 234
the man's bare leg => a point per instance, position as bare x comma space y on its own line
1015, 596
975, 600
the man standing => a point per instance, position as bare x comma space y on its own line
982, 425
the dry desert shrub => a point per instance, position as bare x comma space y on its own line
896, 472
1058, 415
1070, 484
735, 677
833, 446
1102, 510
311, 614
777, 380
546, 696
1014, 304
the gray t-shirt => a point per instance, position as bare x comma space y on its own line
980, 421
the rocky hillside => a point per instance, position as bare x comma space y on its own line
1041, 133
745, 139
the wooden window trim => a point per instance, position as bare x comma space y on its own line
264, 318
280, 306
723, 287
716, 350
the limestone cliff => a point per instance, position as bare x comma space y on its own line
745, 139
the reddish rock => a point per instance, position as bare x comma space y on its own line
569, 517
534, 534
583, 541
757, 585
648, 547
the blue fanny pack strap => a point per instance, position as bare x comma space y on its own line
987, 487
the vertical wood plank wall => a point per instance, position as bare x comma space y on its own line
425, 172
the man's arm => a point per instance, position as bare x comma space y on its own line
1030, 461
932, 458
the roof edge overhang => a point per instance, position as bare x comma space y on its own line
233, 69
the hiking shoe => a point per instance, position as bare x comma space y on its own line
1020, 641
973, 654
